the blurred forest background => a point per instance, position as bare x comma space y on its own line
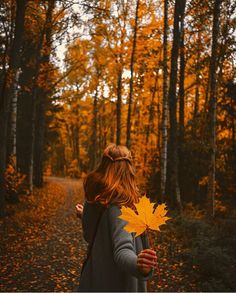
157, 76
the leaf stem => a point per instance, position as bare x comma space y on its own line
150, 240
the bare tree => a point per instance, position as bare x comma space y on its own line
174, 180
212, 107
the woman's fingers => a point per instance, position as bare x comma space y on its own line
79, 206
146, 263
147, 260
148, 256
145, 267
149, 251
143, 259
79, 210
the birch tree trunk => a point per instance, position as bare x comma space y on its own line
9, 84
212, 108
13, 117
128, 131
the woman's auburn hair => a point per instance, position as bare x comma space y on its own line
113, 181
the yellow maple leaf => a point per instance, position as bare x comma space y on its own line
145, 218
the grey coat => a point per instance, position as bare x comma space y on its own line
112, 265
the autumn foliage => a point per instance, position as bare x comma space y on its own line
157, 76
14, 181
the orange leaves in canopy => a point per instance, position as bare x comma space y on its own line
145, 218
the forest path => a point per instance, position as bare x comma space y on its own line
44, 253
42, 246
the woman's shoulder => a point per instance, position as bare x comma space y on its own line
113, 209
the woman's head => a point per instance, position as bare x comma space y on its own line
113, 181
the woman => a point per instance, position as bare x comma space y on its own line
117, 261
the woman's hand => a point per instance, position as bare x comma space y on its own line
147, 260
79, 210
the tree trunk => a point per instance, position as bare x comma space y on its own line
232, 116
164, 104
12, 149
39, 143
181, 101
118, 108
151, 110
93, 154
77, 138
10, 83
40, 111
102, 127
150, 118
128, 132
196, 103
33, 133
24, 112
212, 108
174, 181
159, 127
100, 130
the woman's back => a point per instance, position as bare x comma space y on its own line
117, 261
112, 265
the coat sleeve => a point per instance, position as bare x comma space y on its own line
83, 221
123, 245
88, 221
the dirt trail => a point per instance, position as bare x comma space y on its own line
48, 260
